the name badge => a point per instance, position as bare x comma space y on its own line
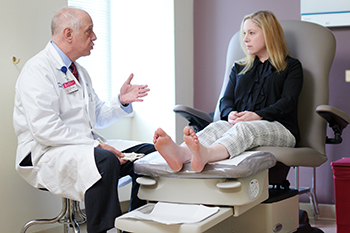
70, 86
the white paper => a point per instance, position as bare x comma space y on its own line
168, 213
132, 156
236, 160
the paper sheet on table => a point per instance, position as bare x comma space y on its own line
158, 159
236, 160
168, 213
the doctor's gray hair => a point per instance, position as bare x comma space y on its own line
66, 17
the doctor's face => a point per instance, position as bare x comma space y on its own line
84, 39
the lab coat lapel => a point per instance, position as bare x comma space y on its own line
58, 64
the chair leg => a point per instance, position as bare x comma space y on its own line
66, 228
70, 216
73, 217
47, 221
311, 192
312, 195
81, 215
314, 205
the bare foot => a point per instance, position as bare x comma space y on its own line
200, 153
173, 154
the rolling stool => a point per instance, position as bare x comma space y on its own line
70, 215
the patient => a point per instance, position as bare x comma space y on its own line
258, 108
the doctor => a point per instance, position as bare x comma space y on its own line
56, 110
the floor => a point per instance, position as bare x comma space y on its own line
326, 226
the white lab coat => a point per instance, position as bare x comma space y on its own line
56, 127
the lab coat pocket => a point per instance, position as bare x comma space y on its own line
71, 104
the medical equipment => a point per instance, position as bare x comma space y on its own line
280, 212
237, 185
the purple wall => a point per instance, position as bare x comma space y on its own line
214, 24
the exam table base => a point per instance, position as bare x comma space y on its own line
217, 191
280, 216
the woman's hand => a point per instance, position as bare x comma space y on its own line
232, 117
132, 93
235, 117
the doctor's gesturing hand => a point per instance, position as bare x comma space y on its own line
132, 93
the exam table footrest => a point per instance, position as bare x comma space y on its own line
277, 214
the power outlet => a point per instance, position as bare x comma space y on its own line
347, 75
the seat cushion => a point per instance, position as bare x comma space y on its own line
300, 156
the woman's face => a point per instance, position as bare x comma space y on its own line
254, 40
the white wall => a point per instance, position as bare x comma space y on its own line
157, 46
25, 30
143, 44
184, 92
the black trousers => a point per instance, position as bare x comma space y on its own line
101, 200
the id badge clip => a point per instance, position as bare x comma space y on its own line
70, 86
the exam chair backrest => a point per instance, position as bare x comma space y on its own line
314, 46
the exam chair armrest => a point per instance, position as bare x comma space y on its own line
197, 118
336, 119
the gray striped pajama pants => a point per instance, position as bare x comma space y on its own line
246, 135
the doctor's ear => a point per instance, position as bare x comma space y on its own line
68, 33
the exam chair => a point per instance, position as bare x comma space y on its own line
241, 188
314, 46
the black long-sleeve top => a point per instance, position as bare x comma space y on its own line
270, 94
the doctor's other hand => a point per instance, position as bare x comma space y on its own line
114, 151
132, 93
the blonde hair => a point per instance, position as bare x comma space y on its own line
276, 45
